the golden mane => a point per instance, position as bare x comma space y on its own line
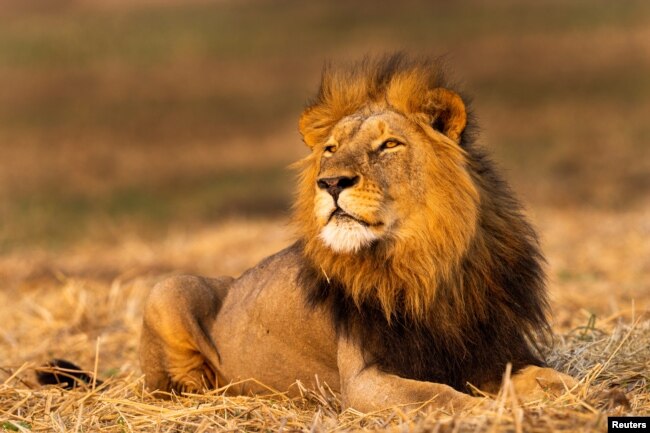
470, 265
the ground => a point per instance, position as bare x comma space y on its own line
85, 304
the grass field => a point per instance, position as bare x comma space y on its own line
143, 139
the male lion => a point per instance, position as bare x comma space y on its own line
414, 274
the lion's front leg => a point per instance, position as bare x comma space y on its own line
367, 389
176, 352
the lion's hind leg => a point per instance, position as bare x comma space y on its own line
177, 353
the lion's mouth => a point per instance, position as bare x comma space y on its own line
341, 214
346, 232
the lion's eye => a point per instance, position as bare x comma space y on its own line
391, 143
331, 148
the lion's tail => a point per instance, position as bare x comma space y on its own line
65, 374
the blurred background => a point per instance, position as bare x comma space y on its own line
140, 117
143, 138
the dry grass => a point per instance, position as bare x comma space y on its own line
85, 304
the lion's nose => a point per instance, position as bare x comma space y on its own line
334, 185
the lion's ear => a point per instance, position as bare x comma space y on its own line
447, 111
308, 127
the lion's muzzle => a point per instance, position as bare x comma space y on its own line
334, 185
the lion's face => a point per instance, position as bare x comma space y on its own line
363, 176
380, 175
385, 195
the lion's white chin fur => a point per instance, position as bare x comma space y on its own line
347, 236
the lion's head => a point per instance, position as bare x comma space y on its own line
388, 183
403, 213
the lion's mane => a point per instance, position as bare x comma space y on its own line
464, 297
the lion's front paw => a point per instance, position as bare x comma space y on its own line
537, 383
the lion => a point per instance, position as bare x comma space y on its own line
414, 277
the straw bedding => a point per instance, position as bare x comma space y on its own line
85, 305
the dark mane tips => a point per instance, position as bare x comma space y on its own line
346, 88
